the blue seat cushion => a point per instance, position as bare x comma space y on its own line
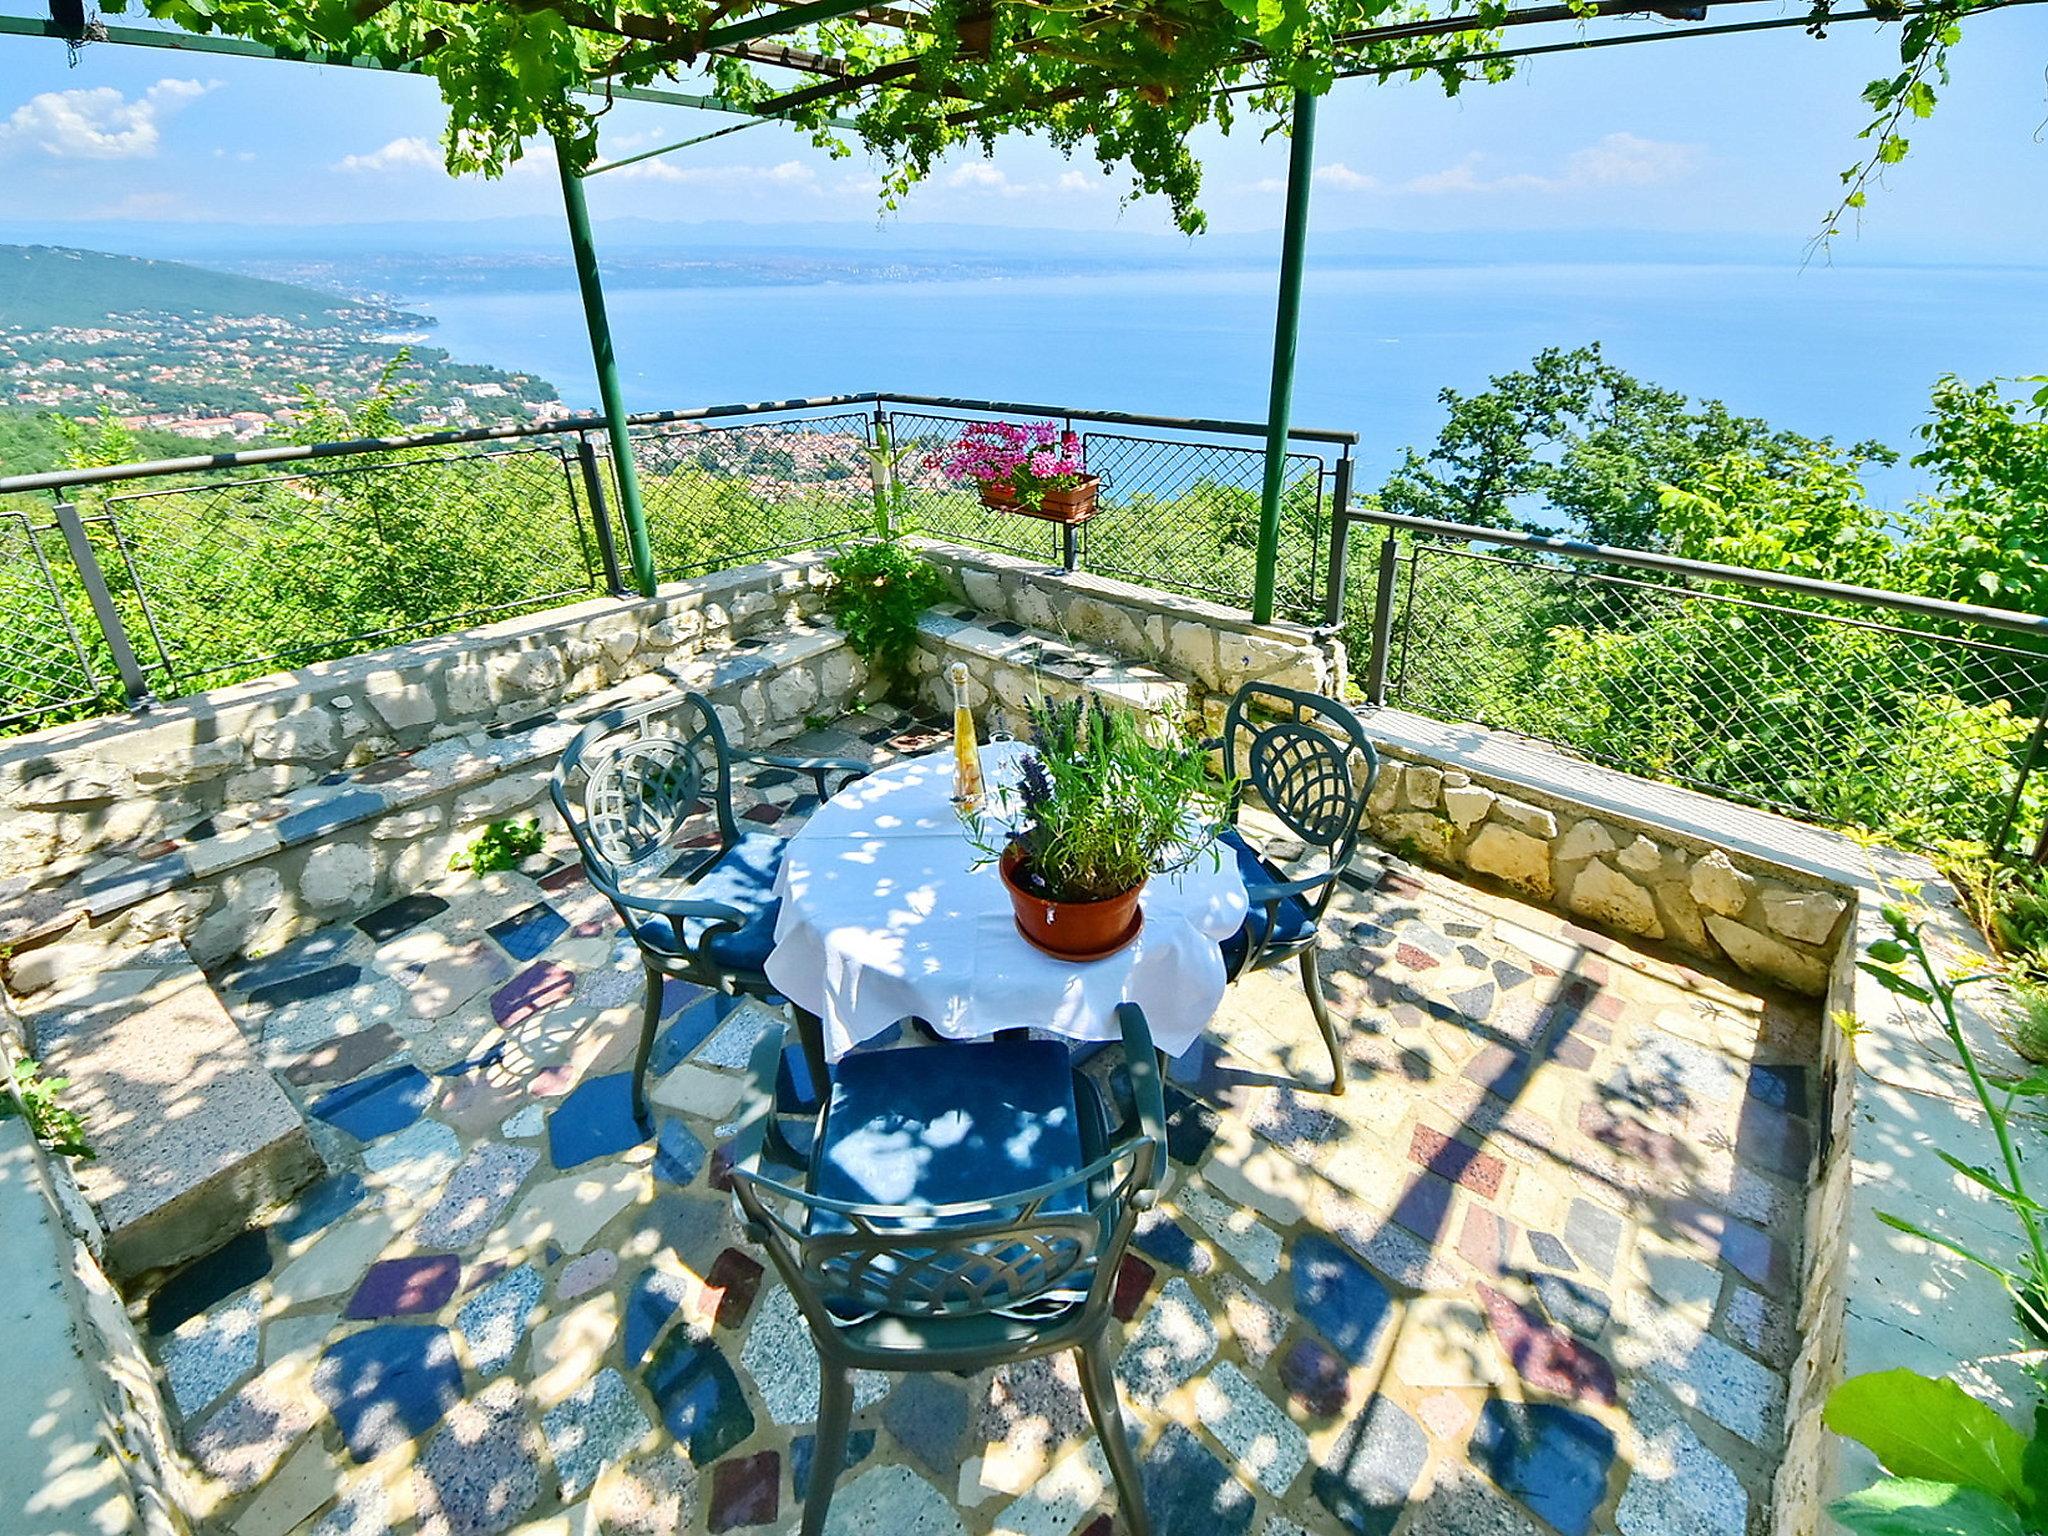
742, 877
1292, 923
926, 1126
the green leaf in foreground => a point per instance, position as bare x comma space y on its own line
1915, 1507
1928, 1430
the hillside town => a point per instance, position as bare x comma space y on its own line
188, 374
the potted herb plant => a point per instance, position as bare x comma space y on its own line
1103, 806
1033, 468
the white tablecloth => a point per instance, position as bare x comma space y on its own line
884, 917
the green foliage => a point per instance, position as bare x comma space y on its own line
38, 1100
1956, 1466
1571, 435
1904, 966
1753, 695
2030, 1027
1107, 803
501, 845
1131, 84
879, 591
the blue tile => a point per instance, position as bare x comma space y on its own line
306, 986
322, 1206
110, 889
402, 915
699, 1397
1550, 1251
678, 1154
692, 1027
315, 952
309, 822
242, 1261
655, 1298
1188, 1489
1166, 1240
1339, 1296
795, 1093
379, 1104
927, 1415
1366, 1478
1780, 1087
1552, 1459
525, 934
596, 1120
387, 1385
803, 1450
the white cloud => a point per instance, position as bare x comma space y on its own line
409, 154
979, 176
98, 123
1618, 160
790, 175
1340, 177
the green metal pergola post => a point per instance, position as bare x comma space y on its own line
638, 549
1286, 330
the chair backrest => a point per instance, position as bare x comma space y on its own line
1009, 1255
644, 772
1308, 760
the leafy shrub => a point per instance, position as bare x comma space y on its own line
36, 1099
879, 591
501, 845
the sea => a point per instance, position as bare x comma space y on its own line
1842, 351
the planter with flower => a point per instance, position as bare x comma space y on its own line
1104, 804
1032, 467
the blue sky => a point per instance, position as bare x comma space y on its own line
1741, 136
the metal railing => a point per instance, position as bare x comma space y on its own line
1924, 720
133, 582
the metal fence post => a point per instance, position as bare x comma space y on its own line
600, 515
1383, 620
103, 609
882, 474
1340, 540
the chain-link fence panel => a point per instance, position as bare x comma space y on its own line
934, 506
1822, 710
234, 577
719, 496
1184, 516
46, 671
1177, 514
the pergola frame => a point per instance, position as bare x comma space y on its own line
648, 39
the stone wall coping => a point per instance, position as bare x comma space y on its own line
1792, 850
1109, 589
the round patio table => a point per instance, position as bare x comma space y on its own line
885, 917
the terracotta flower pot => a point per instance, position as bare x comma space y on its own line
1070, 506
1073, 930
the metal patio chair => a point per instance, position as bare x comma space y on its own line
964, 1205
1308, 760
704, 914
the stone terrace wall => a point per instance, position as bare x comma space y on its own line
1025, 628
72, 792
1768, 920
394, 761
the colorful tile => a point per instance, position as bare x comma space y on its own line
403, 1287
591, 1428
239, 1262
1553, 1459
700, 1398
387, 1385
1336, 1294
595, 1120
526, 934
533, 992
379, 1104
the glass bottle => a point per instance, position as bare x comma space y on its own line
967, 787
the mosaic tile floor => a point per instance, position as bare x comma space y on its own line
1531, 1274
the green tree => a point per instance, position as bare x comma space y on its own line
1573, 440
